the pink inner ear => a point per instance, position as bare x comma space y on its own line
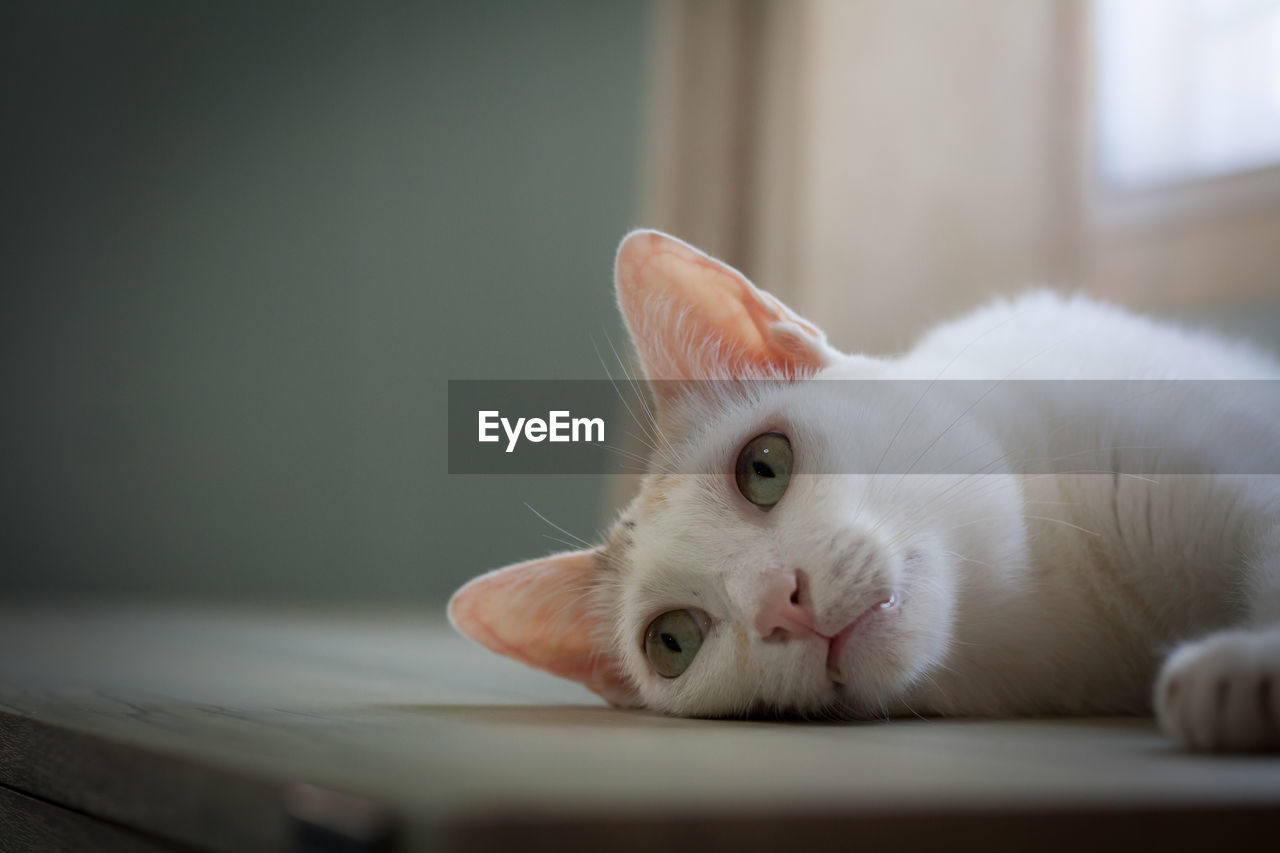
693, 317
540, 613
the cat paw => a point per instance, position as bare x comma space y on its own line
1222, 693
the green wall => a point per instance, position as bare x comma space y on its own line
244, 248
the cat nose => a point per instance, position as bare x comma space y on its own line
784, 609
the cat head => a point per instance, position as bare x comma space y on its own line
749, 575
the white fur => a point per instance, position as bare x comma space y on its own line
1020, 593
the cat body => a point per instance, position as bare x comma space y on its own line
1115, 569
923, 550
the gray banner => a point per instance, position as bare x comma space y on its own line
1142, 428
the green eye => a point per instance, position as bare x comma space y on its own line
671, 642
763, 469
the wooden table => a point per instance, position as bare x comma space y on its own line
156, 728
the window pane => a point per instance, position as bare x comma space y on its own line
1186, 88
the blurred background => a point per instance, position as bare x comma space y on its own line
245, 246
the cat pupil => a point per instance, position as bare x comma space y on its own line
670, 642
762, 470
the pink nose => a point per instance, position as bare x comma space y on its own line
783, 608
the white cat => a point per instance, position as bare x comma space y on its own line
770, 565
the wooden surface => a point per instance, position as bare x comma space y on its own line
277, 729
28, 825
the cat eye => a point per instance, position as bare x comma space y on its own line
672, 640
763, 469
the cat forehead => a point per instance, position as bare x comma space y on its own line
678, 528
675, 510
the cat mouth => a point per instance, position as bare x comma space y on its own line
838, 643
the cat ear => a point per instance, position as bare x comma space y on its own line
693, 317
539, 613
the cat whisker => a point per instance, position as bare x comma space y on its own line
1062, 522
652, 443
920, 513
641, 439
857, 513
969, 559
579, 539
955, 488
644, 402
573, 545
926, 676
647, 464
968, 409
913, 710
1033, 517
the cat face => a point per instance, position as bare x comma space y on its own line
833, 599
750, 574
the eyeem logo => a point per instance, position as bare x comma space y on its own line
558, 427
